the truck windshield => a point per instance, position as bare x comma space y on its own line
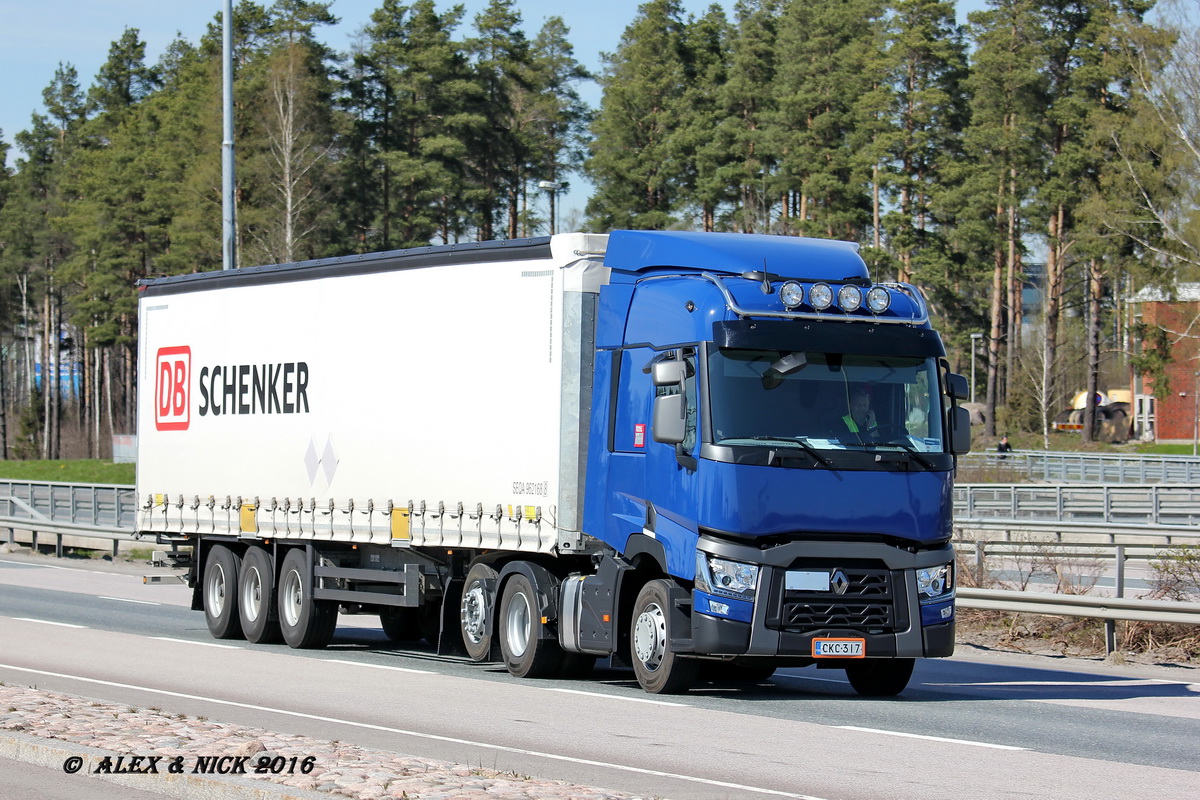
829, 401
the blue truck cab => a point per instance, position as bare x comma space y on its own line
771, 456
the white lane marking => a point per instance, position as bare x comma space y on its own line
48, 622
931, 738
612, 696
201, 644
56, 566
379, 666
127, 600
420, 735
1116, 683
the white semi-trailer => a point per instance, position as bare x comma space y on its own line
544, 451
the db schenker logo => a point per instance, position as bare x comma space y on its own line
172, 379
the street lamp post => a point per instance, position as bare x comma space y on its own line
550, 188
975, 337
1196, 414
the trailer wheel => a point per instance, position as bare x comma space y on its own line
880, 677
526, 655
256, 597
658, 670
478, 604
307, 623
221, 593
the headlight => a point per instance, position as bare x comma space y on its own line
725, 578
935, 583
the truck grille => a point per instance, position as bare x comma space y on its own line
868, 603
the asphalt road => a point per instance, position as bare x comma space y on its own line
977, 725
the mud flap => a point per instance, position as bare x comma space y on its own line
449, 640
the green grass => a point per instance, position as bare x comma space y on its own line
81, 471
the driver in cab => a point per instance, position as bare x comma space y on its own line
861, 418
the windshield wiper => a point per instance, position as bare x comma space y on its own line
912, 451
805, 446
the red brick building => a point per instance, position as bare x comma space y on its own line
1175, 411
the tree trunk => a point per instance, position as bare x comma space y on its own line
1095, 285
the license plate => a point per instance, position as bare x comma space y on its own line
806, 581
839, 648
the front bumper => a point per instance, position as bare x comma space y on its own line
880, 607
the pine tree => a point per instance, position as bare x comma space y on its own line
632, 164
746, 165
925, 62
824, 49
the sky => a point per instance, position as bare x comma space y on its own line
39, 34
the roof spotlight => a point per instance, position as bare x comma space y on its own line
850, 298
878, 299
792, 294
820, 296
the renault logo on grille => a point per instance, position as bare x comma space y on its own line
839, 582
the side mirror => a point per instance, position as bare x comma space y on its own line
669, 419
956, 386
668, 373
960, 430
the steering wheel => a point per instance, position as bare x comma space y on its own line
887, 431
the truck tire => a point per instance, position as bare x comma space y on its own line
658, 670
478, 604
307, 623
880, 677
526, 655
220, 593
256, 597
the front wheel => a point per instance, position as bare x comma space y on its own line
307, 623
880, 677
526, 654
220, 590
658, 670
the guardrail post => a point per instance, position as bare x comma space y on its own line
33, 541
116, 545
58, 545
12, 535
1110, 625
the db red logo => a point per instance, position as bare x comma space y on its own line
172, 406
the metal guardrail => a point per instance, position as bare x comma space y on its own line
1073, 605
1099, 504
103, 511
100, 506
1066, 467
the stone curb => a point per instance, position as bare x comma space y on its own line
52, 753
